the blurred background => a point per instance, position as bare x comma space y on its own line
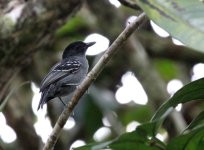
149, 68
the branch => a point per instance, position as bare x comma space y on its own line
90, 78
130, 4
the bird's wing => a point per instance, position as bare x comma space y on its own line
59, 71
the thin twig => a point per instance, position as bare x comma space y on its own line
90, 78
130, 4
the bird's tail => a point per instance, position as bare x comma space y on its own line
43, 100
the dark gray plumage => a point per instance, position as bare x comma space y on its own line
64, 76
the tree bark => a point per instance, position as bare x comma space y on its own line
20, 39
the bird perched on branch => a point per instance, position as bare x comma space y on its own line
66, 75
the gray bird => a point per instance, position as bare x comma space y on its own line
66, 75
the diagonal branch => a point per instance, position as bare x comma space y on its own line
90, 78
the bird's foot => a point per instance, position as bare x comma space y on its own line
65, 105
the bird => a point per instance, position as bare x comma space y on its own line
64, 77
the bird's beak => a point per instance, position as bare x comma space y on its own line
90, 44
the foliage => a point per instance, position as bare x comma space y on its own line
182, 19
144, 136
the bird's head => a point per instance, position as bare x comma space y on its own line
76, 48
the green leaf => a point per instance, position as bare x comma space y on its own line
191, 91
147, 129
190, 141
133, 146
197, 122
141, 139
183, 19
